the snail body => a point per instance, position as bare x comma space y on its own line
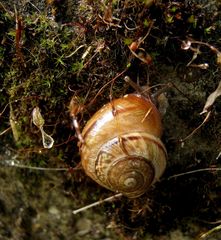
122, 150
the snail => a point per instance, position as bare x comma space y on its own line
122, 150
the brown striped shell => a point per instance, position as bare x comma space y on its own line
122, 150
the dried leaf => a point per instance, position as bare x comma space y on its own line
37, 118
211, 99
39, 121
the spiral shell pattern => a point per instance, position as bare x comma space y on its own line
123, 151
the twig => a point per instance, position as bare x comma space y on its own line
130, 29
11, 163
105, 85
194, 171
5, 131
34, 6
77, 129
209, 222
6, 10
215, 229
4, 109
19, 27
70, 55
148, 32
133, 84
109, 199
218, 156
205, 44
204, 121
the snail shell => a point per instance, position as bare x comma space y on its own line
122, 150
